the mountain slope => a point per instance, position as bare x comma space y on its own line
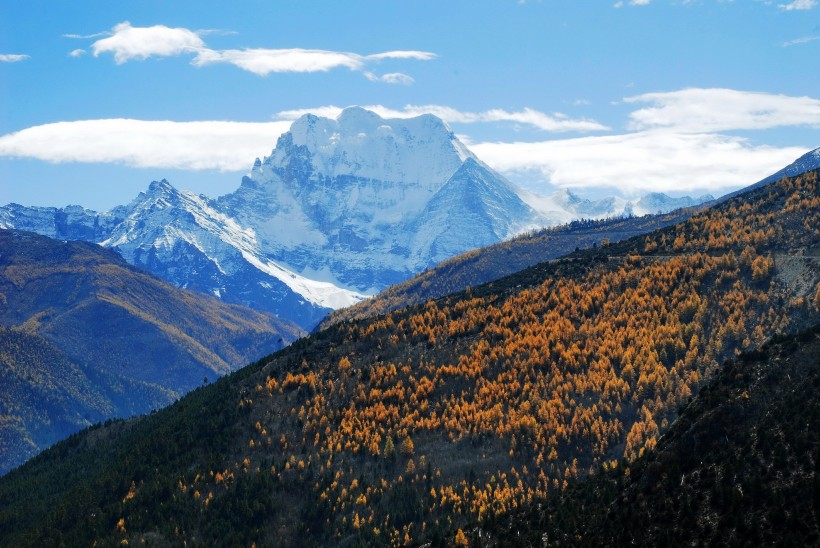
808, 162
44, 396
131, 342
185, 239
399, 428
739, 466
490, 263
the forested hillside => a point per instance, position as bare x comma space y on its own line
738, 467
44, 395
405, 427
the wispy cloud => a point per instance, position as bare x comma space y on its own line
621, 4
87, 36
802, 40
216, 32
79, 52
798, 5
708, 110
390, 78
127, 43
12, 57
556, 123
266, 61
225, 146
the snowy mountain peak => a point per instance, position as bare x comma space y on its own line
161, 187
360, 143
357, 118
158, 191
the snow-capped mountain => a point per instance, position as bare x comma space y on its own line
363, 202
564, 205
808, 162
186, 239
658, 202
340, 209
69, 223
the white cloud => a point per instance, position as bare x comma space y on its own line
638, 162
12, 57
127, 43
226, 146
707, 110
266, 61
408, 54
798, 5
390, 78
87, 36
79, 52
553, 123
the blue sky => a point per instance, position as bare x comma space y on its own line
98, 98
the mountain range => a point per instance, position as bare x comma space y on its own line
341, 209
86, 337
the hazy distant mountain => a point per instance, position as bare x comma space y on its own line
93, 337
44, 396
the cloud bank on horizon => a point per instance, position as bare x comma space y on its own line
674, 144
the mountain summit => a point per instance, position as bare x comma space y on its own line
359, 143
358, 201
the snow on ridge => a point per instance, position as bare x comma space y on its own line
323, 294
208, 223
421, 150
